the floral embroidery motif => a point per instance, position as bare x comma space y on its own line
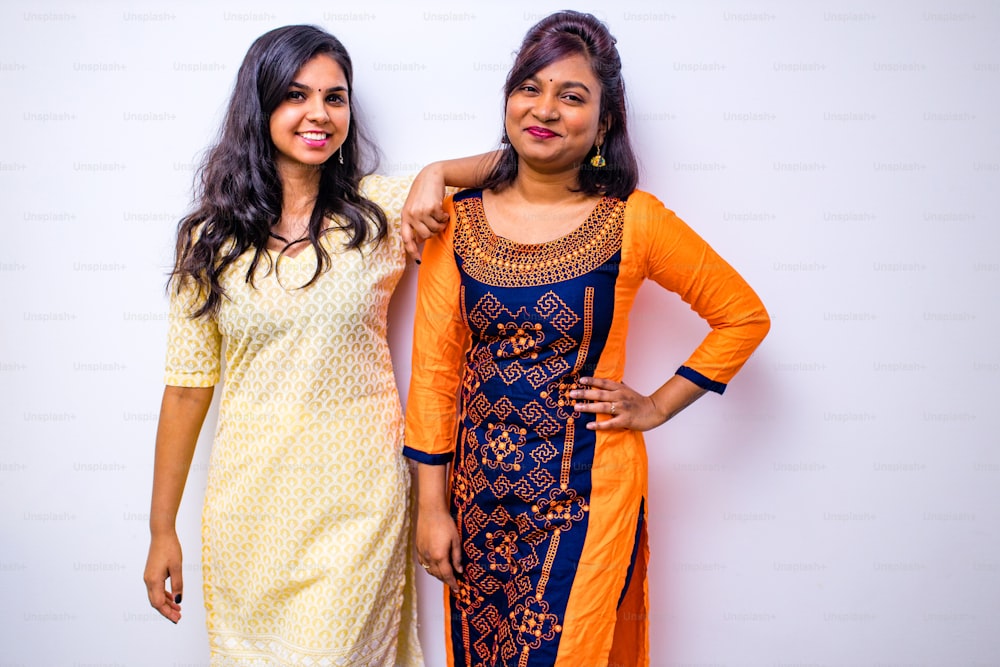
557, 396
532, 623
503, 447
523, 340
504, 551
468, 598
560, 509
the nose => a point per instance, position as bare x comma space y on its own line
317, 110
546, 107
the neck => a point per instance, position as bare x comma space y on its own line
546, 187
299, 190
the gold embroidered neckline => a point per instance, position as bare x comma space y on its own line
499, 261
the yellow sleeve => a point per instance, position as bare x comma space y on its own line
440, 340
194, 346
389, 192
681, 261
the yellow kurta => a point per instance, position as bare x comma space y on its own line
305, 524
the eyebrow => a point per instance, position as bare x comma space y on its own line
566, 84
331, 89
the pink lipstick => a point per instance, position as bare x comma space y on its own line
540, 132
315, 139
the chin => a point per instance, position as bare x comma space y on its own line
316, 161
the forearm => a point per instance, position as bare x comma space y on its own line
676, 394
436, 535
182, 413
432, 488
465, 172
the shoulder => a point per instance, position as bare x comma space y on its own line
389, 192
373, 185
641, 202
652, 231
208, 240
644, 210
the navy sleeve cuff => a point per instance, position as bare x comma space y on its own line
701, 380
429, 459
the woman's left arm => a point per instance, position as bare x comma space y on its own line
677, 258
423, 215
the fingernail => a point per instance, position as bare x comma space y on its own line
177, 599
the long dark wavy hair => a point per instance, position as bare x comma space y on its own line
239, 195
559, 36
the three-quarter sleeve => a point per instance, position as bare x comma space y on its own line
194, 346
681, 261
440, 340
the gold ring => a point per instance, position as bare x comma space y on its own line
613, 412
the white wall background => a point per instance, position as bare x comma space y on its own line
837, 507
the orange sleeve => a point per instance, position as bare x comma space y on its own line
440, 339
682, 262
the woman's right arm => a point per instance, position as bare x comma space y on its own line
193, 366
423, 215
182, 413
440, 338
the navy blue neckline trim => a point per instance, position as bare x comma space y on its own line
468, 194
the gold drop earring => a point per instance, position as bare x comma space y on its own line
598, 160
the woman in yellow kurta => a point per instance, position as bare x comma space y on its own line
303, 527
518, 357
287, 265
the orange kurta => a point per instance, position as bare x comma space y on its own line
552, 515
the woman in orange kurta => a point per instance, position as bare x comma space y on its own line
519, 352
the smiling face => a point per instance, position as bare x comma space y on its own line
312, 120
553, 117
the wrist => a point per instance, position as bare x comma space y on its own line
432, 488
157, 536
659, 410
162, 527
433, 506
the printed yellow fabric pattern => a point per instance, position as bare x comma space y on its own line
305, 524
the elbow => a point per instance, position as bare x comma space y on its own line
763, 322
200, 397
752, 322
758, 324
